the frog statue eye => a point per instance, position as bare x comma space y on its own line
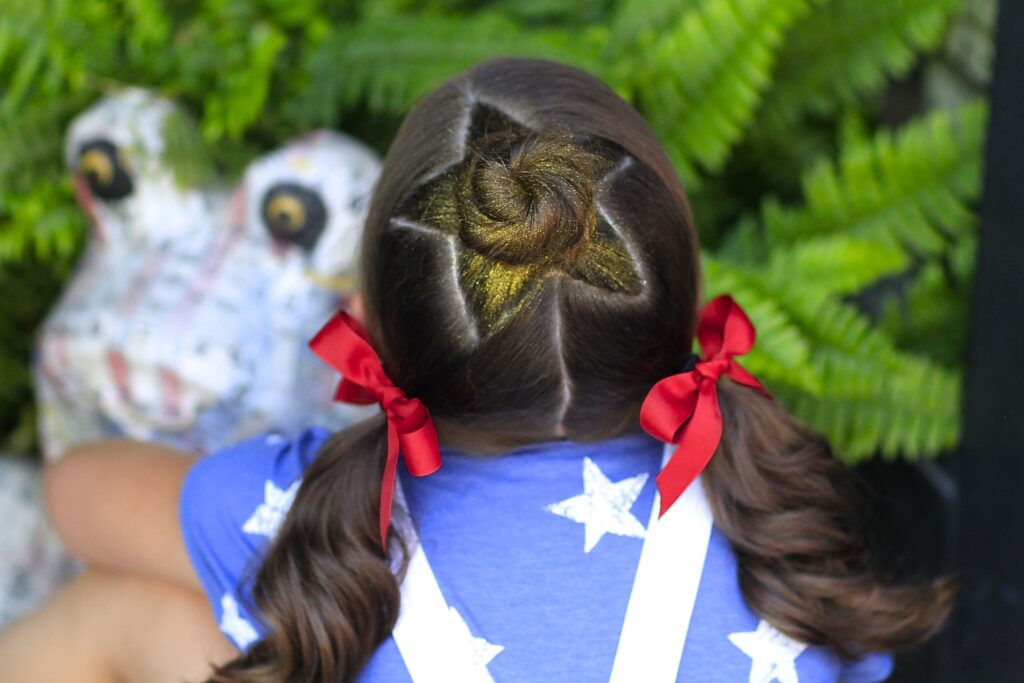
106, 170
294, 214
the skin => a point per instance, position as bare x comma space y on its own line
136, 613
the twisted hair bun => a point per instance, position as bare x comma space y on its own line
527, 199
522, 207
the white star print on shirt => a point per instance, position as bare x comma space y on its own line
234, 625
483, 651
267, 518
603, 508
773, 654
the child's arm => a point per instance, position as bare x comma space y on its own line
115, 505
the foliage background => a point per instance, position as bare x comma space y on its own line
834, 200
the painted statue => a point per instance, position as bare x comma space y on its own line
187, 318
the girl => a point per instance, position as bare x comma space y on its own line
531, 294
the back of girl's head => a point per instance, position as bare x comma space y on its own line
530, 265
530, 271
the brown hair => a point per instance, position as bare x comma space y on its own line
529, 244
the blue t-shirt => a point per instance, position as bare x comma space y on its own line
535, 553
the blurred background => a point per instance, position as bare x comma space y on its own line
832, 151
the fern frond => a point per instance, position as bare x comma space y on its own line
866, 410
932, 316
912, 189
782, 353
32, 144
55, 47
701, 80
845, 49
636, 23
244, 86
43, 222
876, 397
852, 383
149, 22
387, 64
551, 12
834, 265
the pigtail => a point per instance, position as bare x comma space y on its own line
325, 590
790, 511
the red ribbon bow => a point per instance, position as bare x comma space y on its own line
683, 409
344, 345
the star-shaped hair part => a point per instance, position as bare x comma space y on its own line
522, 207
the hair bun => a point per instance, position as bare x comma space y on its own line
524, 199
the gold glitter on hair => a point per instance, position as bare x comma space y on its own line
524, 209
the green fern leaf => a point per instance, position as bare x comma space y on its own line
782, 353
230, 111
637, 23
912, 189
891, 419
845, 49
834, 265
932, 316
43, 222
848, 379
388, 63
701, 81
30, 63
876, 398
150, 24
33, 144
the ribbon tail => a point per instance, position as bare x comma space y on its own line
387, 485
698, 440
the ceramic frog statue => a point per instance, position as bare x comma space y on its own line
187, 318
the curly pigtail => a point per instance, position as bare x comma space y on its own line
789, 510
325, 589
